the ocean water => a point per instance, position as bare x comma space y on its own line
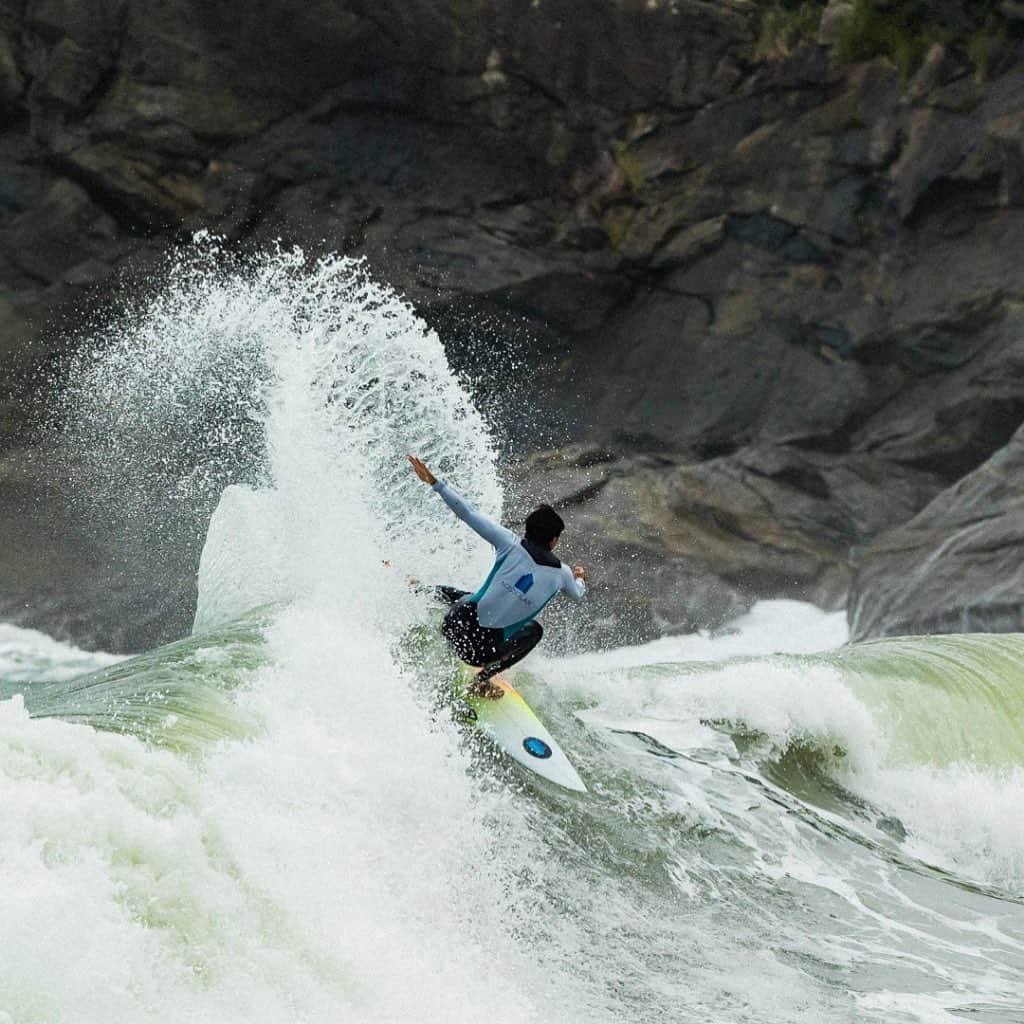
275, 819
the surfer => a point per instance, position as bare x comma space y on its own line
496, 627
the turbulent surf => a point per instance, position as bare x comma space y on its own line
272, 819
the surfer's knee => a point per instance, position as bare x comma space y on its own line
529, 636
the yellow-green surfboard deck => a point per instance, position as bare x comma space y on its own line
511, 725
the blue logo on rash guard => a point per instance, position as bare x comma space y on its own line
524, 583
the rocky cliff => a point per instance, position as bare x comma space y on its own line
956, 566
762, 259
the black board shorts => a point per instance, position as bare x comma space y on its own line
473, 643
482, 646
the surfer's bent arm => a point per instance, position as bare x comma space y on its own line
573, 585
486, 527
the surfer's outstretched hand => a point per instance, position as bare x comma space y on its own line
579, 572
419, 467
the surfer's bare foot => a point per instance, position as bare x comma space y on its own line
485, 688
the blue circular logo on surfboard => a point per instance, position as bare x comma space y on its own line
536, 747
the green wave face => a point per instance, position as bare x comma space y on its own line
943, 700
181, 696
934, 700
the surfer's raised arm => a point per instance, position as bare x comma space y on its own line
492, 532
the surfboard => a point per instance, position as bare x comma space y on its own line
511, 725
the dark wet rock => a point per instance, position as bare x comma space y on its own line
91, 588
637, 589
734, 364
768, 519
893, 827
956, 566
834, 19
796, 283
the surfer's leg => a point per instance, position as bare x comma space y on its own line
514, 649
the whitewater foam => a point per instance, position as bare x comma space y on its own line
347, 856
27, 655
342, 863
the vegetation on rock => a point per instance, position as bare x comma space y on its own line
786, 25
902, 30
905, 30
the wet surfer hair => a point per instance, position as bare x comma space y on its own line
543, 525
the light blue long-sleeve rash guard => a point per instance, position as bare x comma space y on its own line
517, 588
